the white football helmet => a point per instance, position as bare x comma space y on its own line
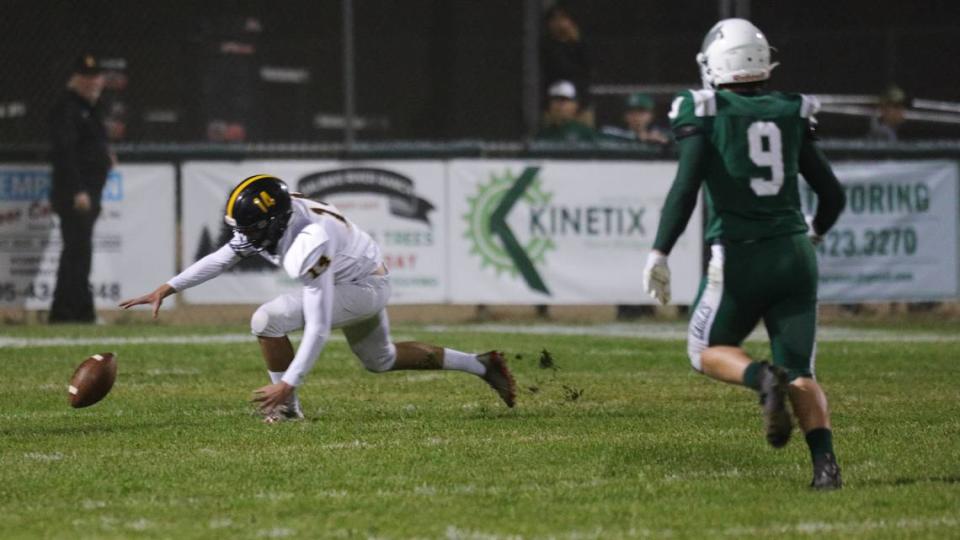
734, 51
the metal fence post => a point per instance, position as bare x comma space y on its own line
531, 67
349, 105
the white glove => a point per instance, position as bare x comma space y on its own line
811, 233
656, 277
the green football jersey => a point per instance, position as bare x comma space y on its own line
751, 167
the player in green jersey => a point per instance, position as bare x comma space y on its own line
748, 146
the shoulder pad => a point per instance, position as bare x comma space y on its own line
697, 103
809, 106
304, 255
691, 108
704, 102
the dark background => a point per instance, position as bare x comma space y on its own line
434, 69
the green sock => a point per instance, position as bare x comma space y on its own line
751, 376
820, 441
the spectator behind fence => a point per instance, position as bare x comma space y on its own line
565, 57
890, 115
639, 116
561, 122
81, 160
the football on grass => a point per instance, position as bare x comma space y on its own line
92, 380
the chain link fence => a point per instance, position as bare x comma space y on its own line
269, 72
234, 80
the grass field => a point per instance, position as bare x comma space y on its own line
623, 440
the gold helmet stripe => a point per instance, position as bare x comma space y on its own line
238, 189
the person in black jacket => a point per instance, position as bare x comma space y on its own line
81, 160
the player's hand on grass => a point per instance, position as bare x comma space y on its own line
154, 298
656, 277
273, 397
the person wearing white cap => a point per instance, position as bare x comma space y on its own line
560, 120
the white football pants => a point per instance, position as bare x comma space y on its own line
358, 308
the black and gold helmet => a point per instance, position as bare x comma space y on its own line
259, 209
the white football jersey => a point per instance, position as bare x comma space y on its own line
320, 238
320, 248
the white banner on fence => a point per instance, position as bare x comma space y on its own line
897, 237
133, 239
560, 232
400, 203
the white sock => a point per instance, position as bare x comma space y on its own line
461, 361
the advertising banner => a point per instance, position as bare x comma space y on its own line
401, 204
133, 241
561, 232
897, 237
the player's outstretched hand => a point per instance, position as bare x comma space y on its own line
273, 396
154, 298
656, 277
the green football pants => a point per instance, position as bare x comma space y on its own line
774, 279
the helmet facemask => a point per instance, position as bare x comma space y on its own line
265, 234
259, 209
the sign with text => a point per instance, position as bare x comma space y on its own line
400, 204
897, 236
561, 232
133, 240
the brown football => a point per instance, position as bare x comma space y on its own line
92, 380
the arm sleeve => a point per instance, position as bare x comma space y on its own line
64, 137
817, 172
317, 318
682, 198
205, 269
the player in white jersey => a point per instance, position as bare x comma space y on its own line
345, 285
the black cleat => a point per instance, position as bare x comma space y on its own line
826, 473
498, 376
773, 398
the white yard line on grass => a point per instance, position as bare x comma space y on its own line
902, 526
658, 331
816, 528
678, 331
165, 340
132, 340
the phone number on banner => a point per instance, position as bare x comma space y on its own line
886, 242
13, 292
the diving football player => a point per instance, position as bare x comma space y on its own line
345, 285
748, 145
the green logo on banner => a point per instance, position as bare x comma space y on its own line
493, 240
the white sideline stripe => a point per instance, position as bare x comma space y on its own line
655, 331
147, 340
678, 332
817, 527
807, 529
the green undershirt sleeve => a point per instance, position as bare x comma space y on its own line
830, 197
682, 198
